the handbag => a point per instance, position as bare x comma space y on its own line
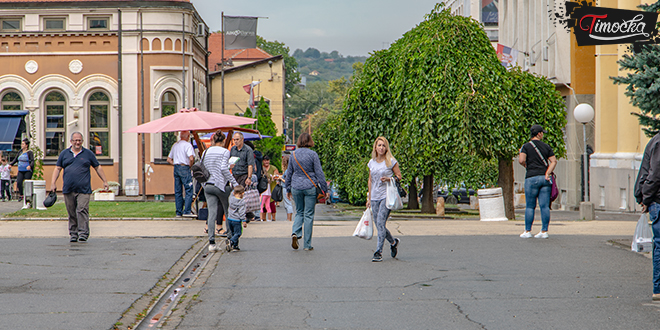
393, 199
365, 227
319, 193
276, 195
263, 184
199, 171
51, 199
252, 202
402, 192
554, 193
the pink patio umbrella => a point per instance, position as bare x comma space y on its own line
190, 120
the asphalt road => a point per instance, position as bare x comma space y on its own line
436, 282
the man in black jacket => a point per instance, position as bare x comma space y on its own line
647, 193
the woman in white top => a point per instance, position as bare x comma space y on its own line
216, 188
382, 167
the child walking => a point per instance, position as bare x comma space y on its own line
236, 216
5, 180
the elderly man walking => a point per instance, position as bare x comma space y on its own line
76, 185
244, 167
182, 156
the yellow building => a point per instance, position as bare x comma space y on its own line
269, 72
619, 140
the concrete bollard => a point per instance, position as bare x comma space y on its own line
474, 202
440, 207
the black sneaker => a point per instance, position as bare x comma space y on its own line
228, 245
73, 239
236, 248
393, 247
82, 239
377, 257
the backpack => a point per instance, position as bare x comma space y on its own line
199, 171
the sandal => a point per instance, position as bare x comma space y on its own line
221, 233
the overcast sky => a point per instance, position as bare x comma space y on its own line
351, 27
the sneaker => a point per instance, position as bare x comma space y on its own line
73, 239
235, 248
214, 248
294, 242
526, 235
656, 297
189, 215
228, 245
541, 235
377, 257
393, 247
309, 248
82, 239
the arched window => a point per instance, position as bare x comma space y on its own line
167, 107
12, 101
99, 128
55, 103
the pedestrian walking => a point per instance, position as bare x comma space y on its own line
245, 165
75, 161
539, 160
647, 193
216, 188
268, 208
288, 204
5, 179
182, 156
236, 217
25, 162
382, 167
303, 177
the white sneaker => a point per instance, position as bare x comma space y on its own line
526, 235
541, 235
213, 248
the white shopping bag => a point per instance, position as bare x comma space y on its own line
643, 239
393, 200
365, 228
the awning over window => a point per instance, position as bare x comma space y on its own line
9, 122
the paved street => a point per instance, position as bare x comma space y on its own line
450, 274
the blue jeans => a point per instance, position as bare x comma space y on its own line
236, 229
182, 178
380, 213
537, 187
305, 207
654, 211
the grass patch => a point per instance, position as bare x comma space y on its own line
105, 210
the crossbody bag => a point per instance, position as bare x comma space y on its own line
319, 192
553, 178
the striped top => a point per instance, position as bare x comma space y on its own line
216, 160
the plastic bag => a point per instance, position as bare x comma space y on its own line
393, 201
643, 239
365, 228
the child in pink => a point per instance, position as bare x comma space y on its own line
5, 179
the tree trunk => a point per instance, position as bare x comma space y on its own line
428, 196
505, 180
413, 202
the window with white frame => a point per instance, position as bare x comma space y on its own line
98, 23
54, 24
12, 101
167, 107
10, 24
99, 128
55, 105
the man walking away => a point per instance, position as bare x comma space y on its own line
182, 156
647, 193
244, 167
76, 185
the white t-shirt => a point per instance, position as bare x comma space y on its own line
377, 171
181, 152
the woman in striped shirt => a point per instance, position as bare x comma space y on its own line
216, 188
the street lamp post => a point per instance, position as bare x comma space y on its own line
584, 113
294, 127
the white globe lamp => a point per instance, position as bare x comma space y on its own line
583, 113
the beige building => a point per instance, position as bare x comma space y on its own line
77, 66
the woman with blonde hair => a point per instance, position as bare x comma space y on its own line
382, 167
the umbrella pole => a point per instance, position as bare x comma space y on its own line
200, 145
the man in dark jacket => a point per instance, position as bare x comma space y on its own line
647, 193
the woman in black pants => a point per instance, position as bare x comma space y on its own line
25, 162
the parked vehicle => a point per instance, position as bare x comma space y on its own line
462, 194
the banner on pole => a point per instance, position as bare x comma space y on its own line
240, 32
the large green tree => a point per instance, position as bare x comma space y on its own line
448, 107
268, 146
291, 74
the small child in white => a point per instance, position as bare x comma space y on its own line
5, 179
236, 216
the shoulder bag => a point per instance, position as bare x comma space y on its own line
553, 178
319, 193
199, 171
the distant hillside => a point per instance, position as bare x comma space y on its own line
329, 66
